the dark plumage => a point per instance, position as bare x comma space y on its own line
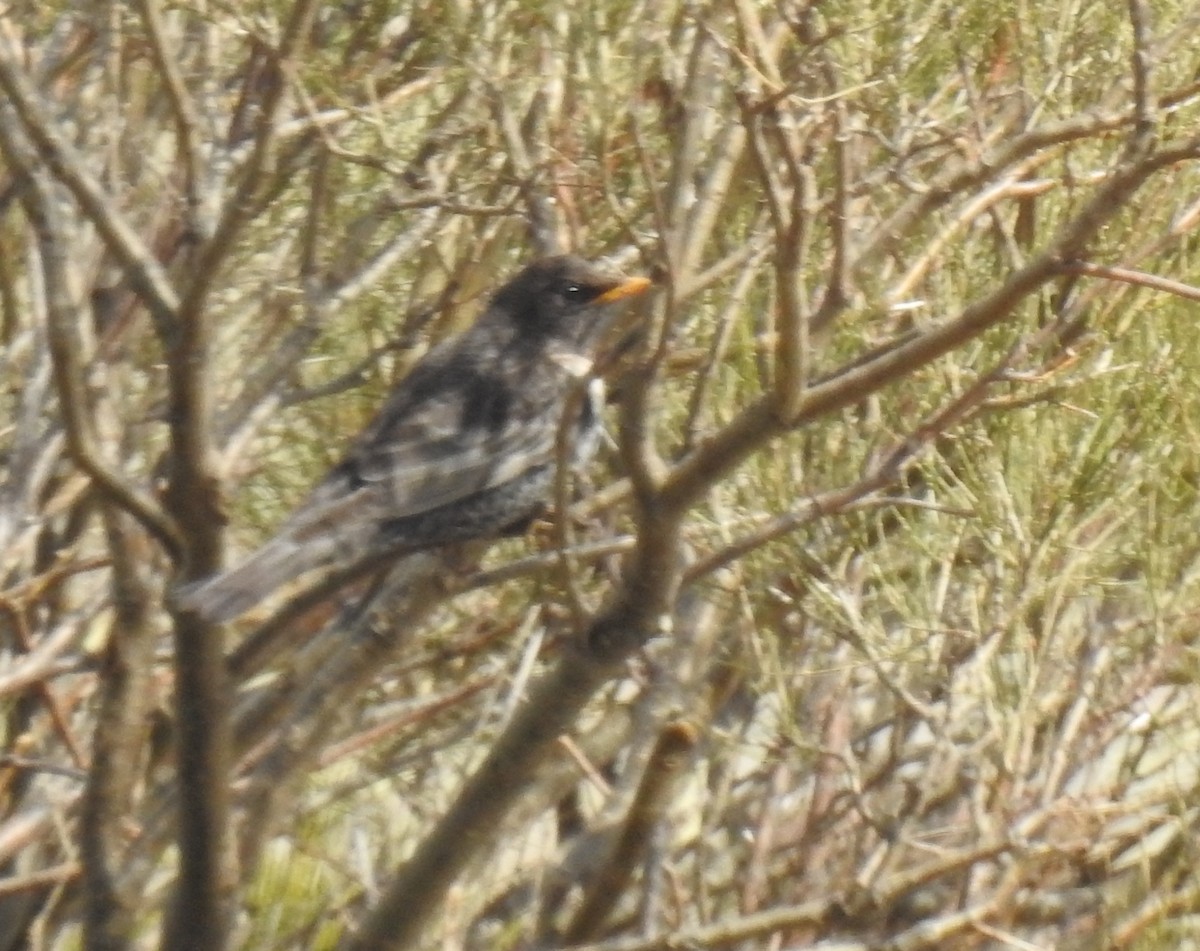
464, 447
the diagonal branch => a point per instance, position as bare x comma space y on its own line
143, 270
640, 611
756, 423
62, 319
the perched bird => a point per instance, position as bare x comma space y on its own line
463, 448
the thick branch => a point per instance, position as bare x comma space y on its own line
202, 905
473, 820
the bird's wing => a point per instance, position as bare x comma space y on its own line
432, 458
438, 439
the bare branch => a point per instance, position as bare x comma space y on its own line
143, 271
202, 911
1130, 276
63, 321
182, 108
1143, 99
745, 434
667, 760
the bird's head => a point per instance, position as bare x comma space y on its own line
564, 298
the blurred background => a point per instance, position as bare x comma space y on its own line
917, 391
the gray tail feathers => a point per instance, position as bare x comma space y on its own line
232, 593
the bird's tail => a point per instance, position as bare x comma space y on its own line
232, 593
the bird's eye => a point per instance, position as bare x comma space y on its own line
573, 292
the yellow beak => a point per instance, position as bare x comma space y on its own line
628, 288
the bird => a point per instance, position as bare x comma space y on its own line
463, 448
